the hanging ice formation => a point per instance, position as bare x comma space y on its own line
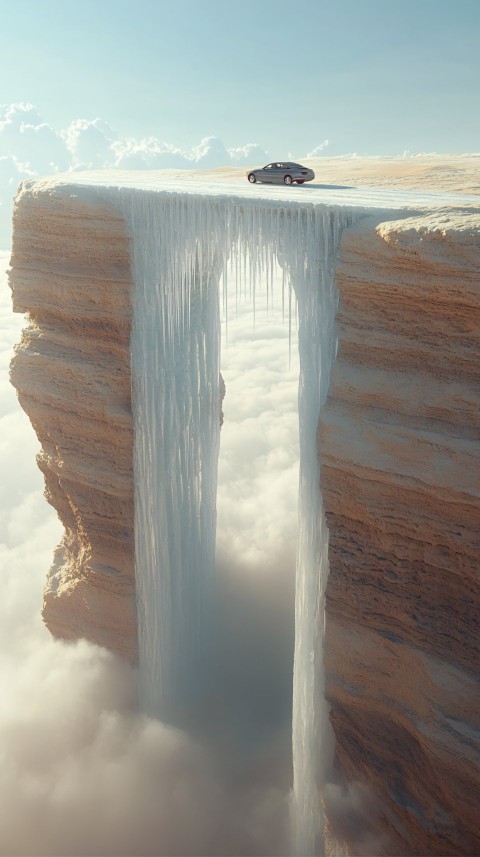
181, 244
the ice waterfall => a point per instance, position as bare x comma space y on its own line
312, 250
181, 245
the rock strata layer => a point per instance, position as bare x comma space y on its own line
399, 441
71, 273
399, 446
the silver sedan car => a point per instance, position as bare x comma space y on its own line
285, 172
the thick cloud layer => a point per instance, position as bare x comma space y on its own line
81, 772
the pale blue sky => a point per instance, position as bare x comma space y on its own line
371, 76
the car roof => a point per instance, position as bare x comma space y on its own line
283, 164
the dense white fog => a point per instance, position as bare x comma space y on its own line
80, 771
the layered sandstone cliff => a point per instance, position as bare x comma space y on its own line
71, 273
399, 445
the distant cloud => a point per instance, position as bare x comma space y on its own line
152, 154
25, 137
210, 153
21, 112
249, 154
30, 147
92, 144
148, 154
89, 144
319, 150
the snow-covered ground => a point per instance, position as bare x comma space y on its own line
385, 198
456, 173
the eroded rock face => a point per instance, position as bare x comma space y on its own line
400, 451
71, 273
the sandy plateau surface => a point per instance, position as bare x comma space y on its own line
453, 173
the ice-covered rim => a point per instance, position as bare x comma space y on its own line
311, 195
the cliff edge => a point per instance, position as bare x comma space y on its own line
399, 449
399, 442
71, 273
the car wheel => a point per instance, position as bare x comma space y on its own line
287, 180
251, 178
300, 181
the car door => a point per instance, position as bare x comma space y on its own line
277, 173
286, 170
267, 174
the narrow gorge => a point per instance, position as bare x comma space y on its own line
119, 373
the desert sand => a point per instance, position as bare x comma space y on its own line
454, 173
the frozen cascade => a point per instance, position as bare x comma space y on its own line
311, 248
178, 255
181, 245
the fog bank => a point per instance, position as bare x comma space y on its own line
82, 772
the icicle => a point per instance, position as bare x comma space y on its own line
180, 248
177, 261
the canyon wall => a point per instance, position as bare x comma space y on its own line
399, 446
71, 273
